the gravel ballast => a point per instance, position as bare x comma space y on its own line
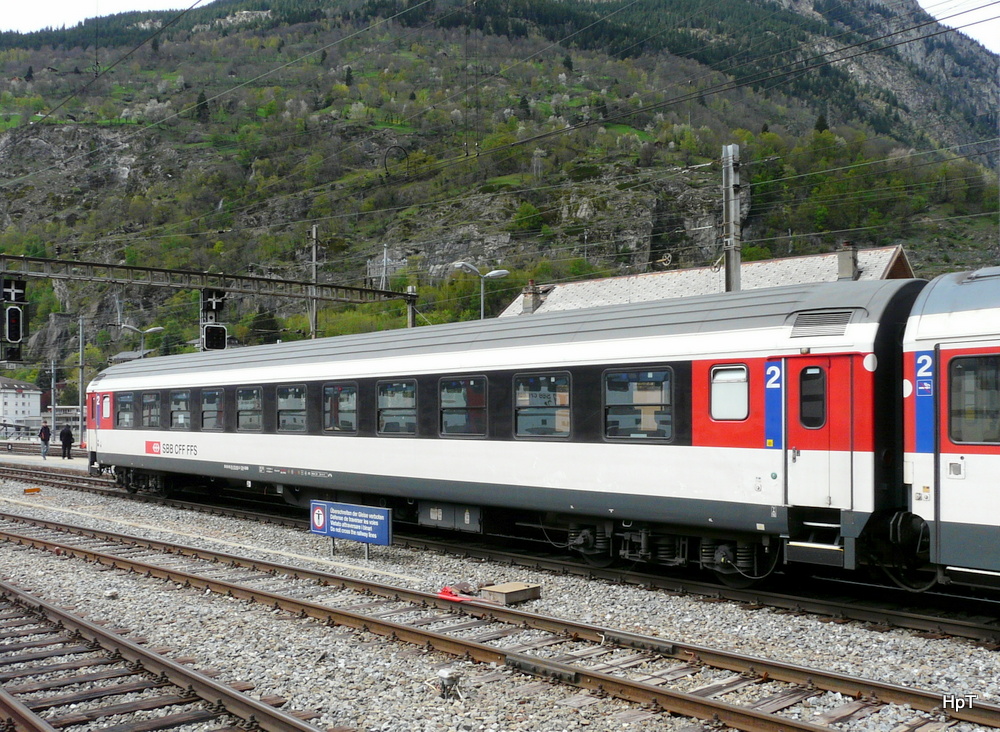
355, 679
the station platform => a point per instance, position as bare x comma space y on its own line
55, 461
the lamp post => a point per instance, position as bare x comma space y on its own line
142, 335
494, 274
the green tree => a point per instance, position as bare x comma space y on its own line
527, 218
201, 110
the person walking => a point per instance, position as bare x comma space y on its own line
45, 434
66, 438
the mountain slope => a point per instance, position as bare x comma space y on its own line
584, 135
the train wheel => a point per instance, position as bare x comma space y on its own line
125, 481
592, 544
741, 565
601, 561
737, 581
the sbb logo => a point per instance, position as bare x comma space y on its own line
152, 448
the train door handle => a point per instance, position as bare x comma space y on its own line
795, 454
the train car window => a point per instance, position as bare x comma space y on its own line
541, 405
812, 397
292, 408
340, 407
151, 410
637, 405
125, 416
730, 393
397, 407
106, 407
249, 409
974, 399
463, 406
212, 409
180, 410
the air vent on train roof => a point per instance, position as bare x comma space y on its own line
830, 323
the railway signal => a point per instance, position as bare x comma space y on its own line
13, 330
215, 337
14, 290
212, 302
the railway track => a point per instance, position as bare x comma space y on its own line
59, 670
661, 675
882, 607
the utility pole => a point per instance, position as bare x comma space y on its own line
411, 307
312, 290
79, 392
731, 215
385, 263
53, 396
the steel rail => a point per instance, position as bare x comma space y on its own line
664, 699
16, 717
838, 609
983, 713
258, 713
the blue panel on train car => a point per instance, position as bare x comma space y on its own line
366, 524
774, 402
924, 392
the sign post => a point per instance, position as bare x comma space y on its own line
366, 524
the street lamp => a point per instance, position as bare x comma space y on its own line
494, 274
142, 335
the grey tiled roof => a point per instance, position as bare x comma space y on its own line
6, 383
873, 264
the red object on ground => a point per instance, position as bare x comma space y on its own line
448, 593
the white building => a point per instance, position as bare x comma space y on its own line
21, 406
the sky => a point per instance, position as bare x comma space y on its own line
29, 15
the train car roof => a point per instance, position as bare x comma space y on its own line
957, 306
760, 311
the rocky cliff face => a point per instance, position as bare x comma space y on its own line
928, 74
62, 172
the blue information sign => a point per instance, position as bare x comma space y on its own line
366, 524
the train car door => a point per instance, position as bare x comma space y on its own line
100, 411
818, 429
968, 503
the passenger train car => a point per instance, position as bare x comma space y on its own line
845, 424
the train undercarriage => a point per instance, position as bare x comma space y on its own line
736, 560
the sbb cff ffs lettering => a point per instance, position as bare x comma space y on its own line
215, 337
13, 331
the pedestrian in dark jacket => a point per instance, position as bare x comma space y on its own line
44, 435
66, 438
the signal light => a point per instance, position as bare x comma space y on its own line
12, 353
212, 301
215, 337
12, 324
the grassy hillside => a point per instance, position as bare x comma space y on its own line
555, 139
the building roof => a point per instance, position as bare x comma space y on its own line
123, 356
6, 383
872, 264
